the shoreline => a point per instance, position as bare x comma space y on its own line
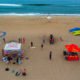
36, 14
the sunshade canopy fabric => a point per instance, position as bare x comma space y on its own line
72, 48
12, 46
74, 29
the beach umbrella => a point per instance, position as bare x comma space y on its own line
49, 18
76, 33
72, 48
2, 34
74, 29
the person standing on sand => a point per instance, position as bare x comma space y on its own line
31, 44
43, 39
42, 45
61, 39
3, 52
50, 55
23, 72
24, 40
4, 40
19, 40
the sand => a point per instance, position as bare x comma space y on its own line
39, 67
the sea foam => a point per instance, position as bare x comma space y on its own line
11, 5
36, 14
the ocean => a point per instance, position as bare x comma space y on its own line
39, 9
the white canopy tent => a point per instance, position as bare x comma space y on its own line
12, 46
13, 50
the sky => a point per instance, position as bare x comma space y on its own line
40, 1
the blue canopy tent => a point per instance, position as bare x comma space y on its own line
74, 29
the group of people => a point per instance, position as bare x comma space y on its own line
42, 46
8, 59
21, 72
22, 40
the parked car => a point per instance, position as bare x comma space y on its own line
51, 39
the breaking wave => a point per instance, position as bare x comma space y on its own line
11, 5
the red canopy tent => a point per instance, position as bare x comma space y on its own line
72, 48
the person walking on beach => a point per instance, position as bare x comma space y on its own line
3, 52
61, 39
23, 40
50, 55
43, 39
31, 44
19, 40
23, 72
42, 45
4, 40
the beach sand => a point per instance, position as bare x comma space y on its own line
39, 67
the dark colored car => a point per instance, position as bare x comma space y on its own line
51, 39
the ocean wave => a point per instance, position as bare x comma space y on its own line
38, 4
11, 5
22, 5
68, 5
37, 14
58, 5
